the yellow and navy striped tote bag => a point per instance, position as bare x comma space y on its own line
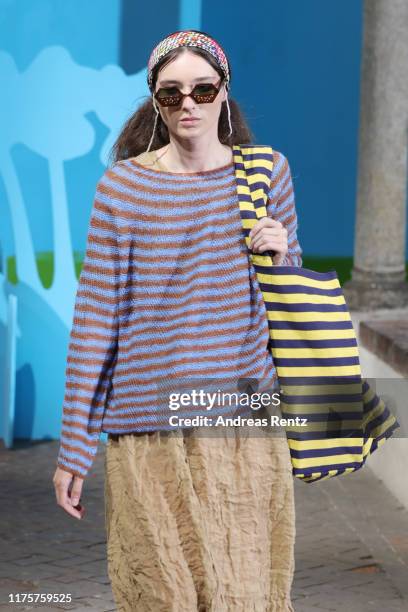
314, 348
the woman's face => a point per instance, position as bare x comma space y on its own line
184, 72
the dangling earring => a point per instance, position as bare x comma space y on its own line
229, 118
229, 113
155, 123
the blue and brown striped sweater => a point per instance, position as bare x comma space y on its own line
166, 290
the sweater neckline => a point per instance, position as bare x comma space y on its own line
167, 173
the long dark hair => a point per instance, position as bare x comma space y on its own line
136, 132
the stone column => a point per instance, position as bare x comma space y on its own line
378, 276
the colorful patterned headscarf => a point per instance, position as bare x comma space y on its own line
187, 38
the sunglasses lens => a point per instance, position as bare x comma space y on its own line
168, 96
204, 93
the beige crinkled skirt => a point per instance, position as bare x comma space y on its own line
199, 523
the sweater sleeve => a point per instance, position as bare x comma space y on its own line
93, 337
281, 206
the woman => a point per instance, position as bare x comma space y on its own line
194, 522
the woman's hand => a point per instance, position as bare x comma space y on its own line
268, 234
69, 499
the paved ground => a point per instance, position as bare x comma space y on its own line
351, 549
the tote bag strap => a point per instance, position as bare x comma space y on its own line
253, 172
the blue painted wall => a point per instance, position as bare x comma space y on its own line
88, 29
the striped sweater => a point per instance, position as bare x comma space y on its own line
166, 290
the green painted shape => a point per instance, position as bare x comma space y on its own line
45, 267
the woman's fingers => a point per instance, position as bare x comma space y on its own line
262, 245
69, 499
268, 244
262, 223
270, 238
268, 234
76, 490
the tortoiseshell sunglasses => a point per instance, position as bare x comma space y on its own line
201, 93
